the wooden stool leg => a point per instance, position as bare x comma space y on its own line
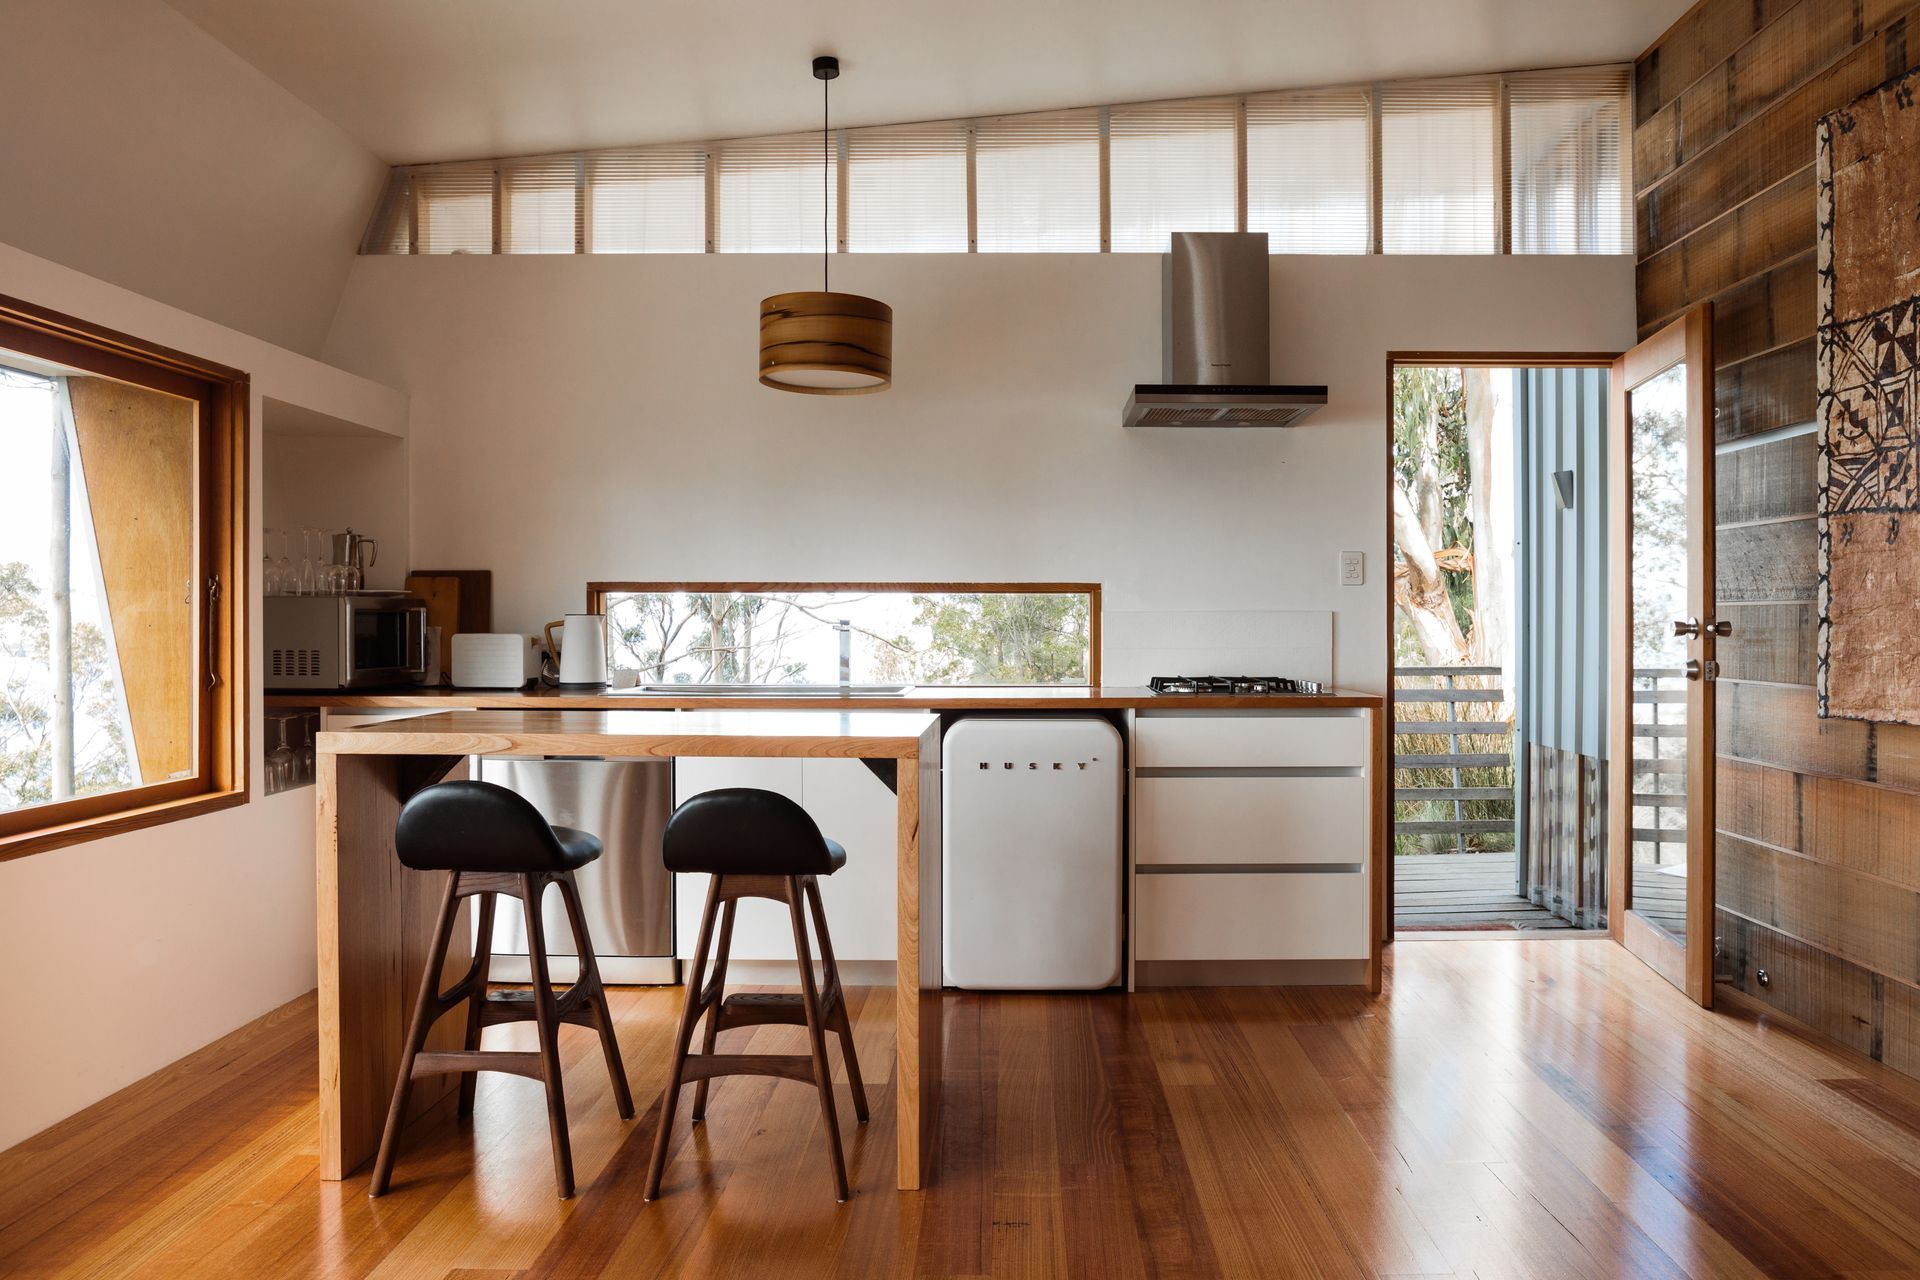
837, 1016
423, 1019
689, 1014
596, 994
720, 992
816, 1036
547, 1019
476, 1001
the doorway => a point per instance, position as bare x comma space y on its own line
1498, 641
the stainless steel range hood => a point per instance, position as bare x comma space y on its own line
1215, 342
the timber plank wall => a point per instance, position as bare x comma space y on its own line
1819, 840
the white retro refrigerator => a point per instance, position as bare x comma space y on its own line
1031, 826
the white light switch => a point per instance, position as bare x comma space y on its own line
1353, 568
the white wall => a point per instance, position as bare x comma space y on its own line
598, 417
124, 954
141, 150
337, 482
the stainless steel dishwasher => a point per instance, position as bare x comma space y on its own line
627, 892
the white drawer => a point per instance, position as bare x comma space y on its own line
1249, 739
1277, 915
1249, 820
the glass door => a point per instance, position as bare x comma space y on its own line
1661, 770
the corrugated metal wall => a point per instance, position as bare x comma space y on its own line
1560, 416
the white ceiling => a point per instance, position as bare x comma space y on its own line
418, 80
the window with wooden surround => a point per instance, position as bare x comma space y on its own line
122, 518
792, 633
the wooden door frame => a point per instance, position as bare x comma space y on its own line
1687, 339
1380, 881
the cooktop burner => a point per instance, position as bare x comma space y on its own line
1232, 686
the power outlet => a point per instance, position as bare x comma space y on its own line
1353, 568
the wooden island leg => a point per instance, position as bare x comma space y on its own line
375, 926
918, 973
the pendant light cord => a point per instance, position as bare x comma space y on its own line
826, 146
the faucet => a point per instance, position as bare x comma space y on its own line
845, 628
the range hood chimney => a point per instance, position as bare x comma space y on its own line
1214, 335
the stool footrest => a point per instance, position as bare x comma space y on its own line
571, 1005
788, 1066
430, 1063
761, 1008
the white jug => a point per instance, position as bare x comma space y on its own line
580, 649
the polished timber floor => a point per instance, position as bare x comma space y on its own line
1535, 1109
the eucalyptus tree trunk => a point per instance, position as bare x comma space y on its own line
1490, 510
1419, 524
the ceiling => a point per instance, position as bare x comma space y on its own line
419, 80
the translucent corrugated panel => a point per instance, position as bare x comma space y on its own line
907, 189
1037, 183
1171, 167
1309, 171
647, 200
1568, 187
454, 208
1439, 192
773, 194
390, 228
538, 213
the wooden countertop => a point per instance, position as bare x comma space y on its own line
558, 732
935, 698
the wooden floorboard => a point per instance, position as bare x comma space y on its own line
1517, 1109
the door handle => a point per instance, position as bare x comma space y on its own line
1720, 628
1688, 627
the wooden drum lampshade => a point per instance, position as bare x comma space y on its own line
826, 344
822, 343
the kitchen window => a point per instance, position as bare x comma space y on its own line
121, 608
894, 633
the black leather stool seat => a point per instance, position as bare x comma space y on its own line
481, 826
744, 831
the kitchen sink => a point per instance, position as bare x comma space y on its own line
690, 690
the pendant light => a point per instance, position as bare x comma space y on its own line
825, 343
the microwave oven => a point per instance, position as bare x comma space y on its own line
345, 642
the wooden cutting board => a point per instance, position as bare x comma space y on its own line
457, 600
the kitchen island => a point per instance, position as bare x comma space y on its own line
376, 918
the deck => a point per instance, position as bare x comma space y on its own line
1463, 891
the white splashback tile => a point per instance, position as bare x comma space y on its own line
1137, 644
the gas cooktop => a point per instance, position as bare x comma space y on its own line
1233, 686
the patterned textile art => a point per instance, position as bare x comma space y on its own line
1867, 481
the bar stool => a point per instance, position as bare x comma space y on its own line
494, 841
757, 844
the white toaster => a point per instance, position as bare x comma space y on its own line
492, 660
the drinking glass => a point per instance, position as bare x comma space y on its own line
283, 568
280, 760
313, 545
269, 571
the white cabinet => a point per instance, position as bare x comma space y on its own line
1186, 820
850, 805
1250, 739
1250, 836
1240, 916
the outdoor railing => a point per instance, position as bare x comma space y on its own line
1447, 758
1660, 761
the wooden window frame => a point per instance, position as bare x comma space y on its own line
220, 665
597, 593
